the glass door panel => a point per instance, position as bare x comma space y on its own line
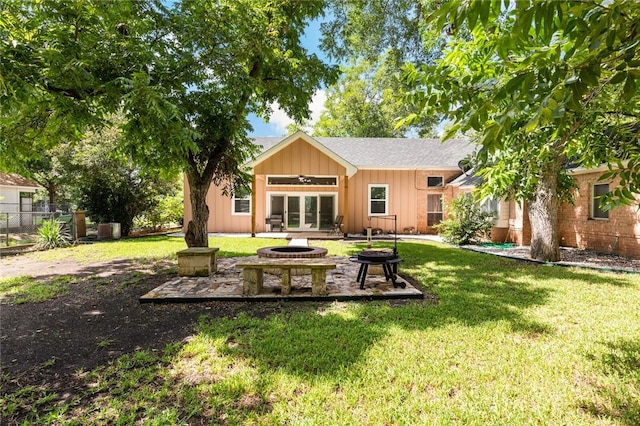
293, 212
311, 212
327, 215
277, 205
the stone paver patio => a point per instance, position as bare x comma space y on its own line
226, 284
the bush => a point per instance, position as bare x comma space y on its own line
52, 234
467, 222
167, 212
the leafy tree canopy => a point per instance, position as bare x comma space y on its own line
544, 84
367, 101
541, 81
185, 77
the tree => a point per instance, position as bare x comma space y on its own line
62, 70
108, 184
185, 77
544, 84
367, 102
375, 38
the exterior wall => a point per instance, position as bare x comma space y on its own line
10, 197
448, 193
519, 227
402, 199
620, 234
407, 198
220, 217
298, 158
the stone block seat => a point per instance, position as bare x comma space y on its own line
197, 261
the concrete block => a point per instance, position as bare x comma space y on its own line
197, 261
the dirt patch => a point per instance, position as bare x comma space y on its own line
99, 319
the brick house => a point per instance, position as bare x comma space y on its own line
584, 225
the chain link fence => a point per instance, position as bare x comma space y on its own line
21, 227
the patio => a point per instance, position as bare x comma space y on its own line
226, 285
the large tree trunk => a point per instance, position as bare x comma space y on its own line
51, 190
197, 232
543, 215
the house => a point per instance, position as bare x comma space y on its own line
582, 224
16, 200
309, 181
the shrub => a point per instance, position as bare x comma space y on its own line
467, 221
167, 212
52, 234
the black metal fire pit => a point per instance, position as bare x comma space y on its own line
379, 256
387, 259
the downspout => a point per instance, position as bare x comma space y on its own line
253, 204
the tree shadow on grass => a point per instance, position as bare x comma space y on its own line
472, 289
316, 340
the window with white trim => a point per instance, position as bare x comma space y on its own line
597, 191
378, 199
241, 202
435, 211
491, 205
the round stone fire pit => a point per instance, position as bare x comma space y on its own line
291, 252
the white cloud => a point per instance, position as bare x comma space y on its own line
279, 119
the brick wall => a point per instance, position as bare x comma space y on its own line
620, 234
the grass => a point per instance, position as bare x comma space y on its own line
506, 343
151, 248
25, 289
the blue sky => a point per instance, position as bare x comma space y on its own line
279, 120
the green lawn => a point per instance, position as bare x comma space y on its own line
504, 343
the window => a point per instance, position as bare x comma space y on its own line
599, 189
241, 202
491, 205
303, 180
435, 182
378, 199
434, 209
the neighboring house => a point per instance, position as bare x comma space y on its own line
16, 200
309, 181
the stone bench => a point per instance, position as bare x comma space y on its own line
197, 261
252, 274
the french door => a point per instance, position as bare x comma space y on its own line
305, 212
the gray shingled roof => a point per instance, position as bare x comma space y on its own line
466, 180
391, 152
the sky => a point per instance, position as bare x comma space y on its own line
277, 125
